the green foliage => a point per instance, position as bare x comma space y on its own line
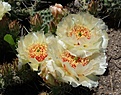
8, 38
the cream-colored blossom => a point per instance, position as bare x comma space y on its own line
4, 8
47, 69
82, 34
33, 49
75, 70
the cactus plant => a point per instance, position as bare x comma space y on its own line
109, 10
112, 9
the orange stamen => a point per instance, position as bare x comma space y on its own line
80, 31
38, 51
74, 61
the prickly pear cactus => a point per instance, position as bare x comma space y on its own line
41, 20
109, 10
83, 4
47, 17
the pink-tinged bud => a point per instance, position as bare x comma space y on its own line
58, 6
57, 9
53, 10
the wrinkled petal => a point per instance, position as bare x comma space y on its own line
33, 49
72, 72
83, 34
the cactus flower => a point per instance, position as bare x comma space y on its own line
83, 34
68, 68
4, 8
33, 49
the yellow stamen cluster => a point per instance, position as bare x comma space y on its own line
80, 31
38, 51
74, 61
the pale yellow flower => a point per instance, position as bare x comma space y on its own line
82, 34
33, 49
68, 68
4, 8
47, 69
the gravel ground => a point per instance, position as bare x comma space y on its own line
110, 82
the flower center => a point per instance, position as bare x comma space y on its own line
38, 51
80, 31
74, 61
